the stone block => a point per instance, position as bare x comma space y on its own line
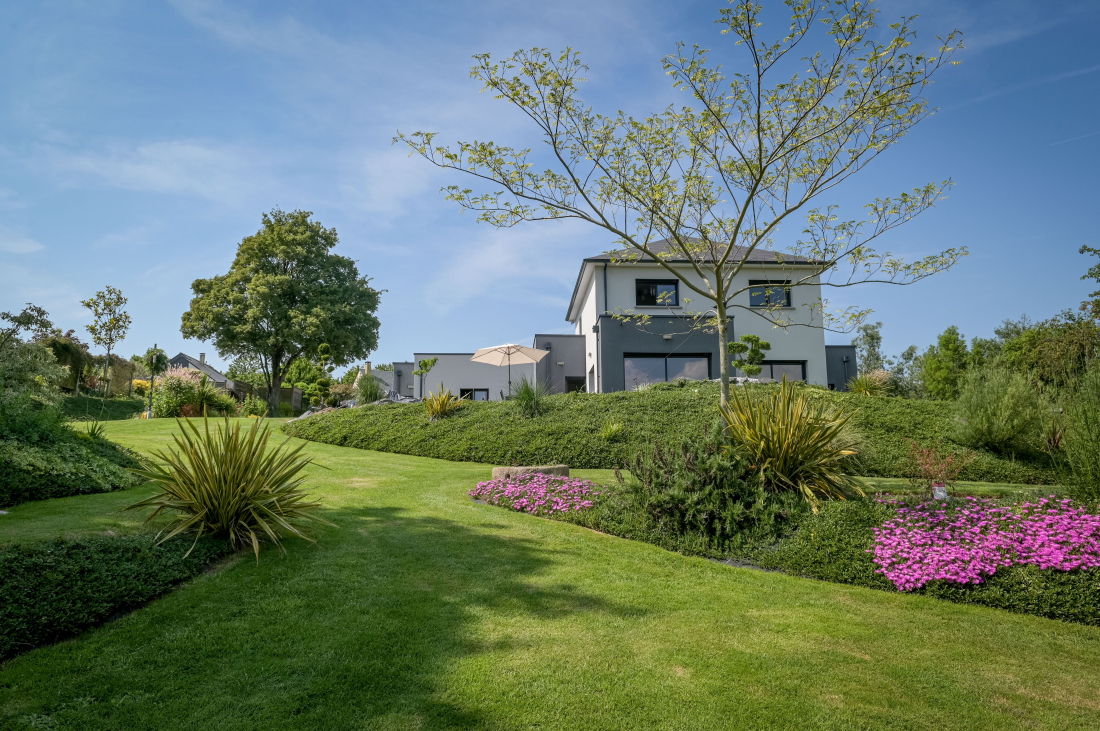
555, 469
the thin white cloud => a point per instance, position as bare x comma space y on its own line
1043, 81
385, 183
530, 266
13, 242
214, 171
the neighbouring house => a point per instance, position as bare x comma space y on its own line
287, 395
219, 379
604, 354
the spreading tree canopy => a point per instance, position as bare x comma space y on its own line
284, 296
706, 185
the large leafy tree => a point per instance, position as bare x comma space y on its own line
284, 296
709, 183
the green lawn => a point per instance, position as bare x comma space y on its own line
425, 610
901, 485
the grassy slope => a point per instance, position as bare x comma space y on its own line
493, 432
424, 610
92, 408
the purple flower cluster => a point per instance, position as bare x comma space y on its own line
967, 544
537, 494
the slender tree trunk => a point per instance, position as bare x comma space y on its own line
276, 384
107, 393
723, 351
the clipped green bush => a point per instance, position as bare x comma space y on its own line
570, 431
70, 465
53, 590
999, 410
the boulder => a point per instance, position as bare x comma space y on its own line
555, 469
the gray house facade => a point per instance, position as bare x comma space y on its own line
606, 353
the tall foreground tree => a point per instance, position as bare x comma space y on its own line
711, 182
110, 324
284, 296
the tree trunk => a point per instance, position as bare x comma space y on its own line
275, 385
723, 352
107, 393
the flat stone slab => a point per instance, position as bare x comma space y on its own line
554, 469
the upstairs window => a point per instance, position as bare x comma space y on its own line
764, 293
657, 293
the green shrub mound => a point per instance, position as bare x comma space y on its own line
697, 499
570, 431
56, 589
94, 408
833, 545
70, 464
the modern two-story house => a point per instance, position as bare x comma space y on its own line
608, 354
621, 355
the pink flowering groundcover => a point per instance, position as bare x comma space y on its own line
537, 494
968, 544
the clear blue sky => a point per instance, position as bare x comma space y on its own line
140, 141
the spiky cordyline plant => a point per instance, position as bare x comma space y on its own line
793, 442
228, 484
442, 403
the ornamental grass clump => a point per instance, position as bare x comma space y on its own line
932, 542
230, 485
537, 494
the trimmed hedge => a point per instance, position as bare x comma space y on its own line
494, 432
76, 464
833, 546
94, 408
53, 590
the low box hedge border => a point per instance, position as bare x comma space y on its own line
53, 590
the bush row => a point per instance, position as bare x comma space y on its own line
570, 431
53, 590
72, 464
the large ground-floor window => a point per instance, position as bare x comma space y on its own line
656, 368
794, 370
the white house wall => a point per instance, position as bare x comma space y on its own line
456, 371
804, 341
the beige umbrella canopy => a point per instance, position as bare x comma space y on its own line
508, 354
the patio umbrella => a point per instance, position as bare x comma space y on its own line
508, 354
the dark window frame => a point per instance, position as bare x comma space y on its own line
769, 291
470, 393
657, 303
665, 357
779, 362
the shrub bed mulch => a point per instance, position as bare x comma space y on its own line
74, 464
56, 589
571, 431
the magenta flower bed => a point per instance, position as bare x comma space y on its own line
537, 494
966, 545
